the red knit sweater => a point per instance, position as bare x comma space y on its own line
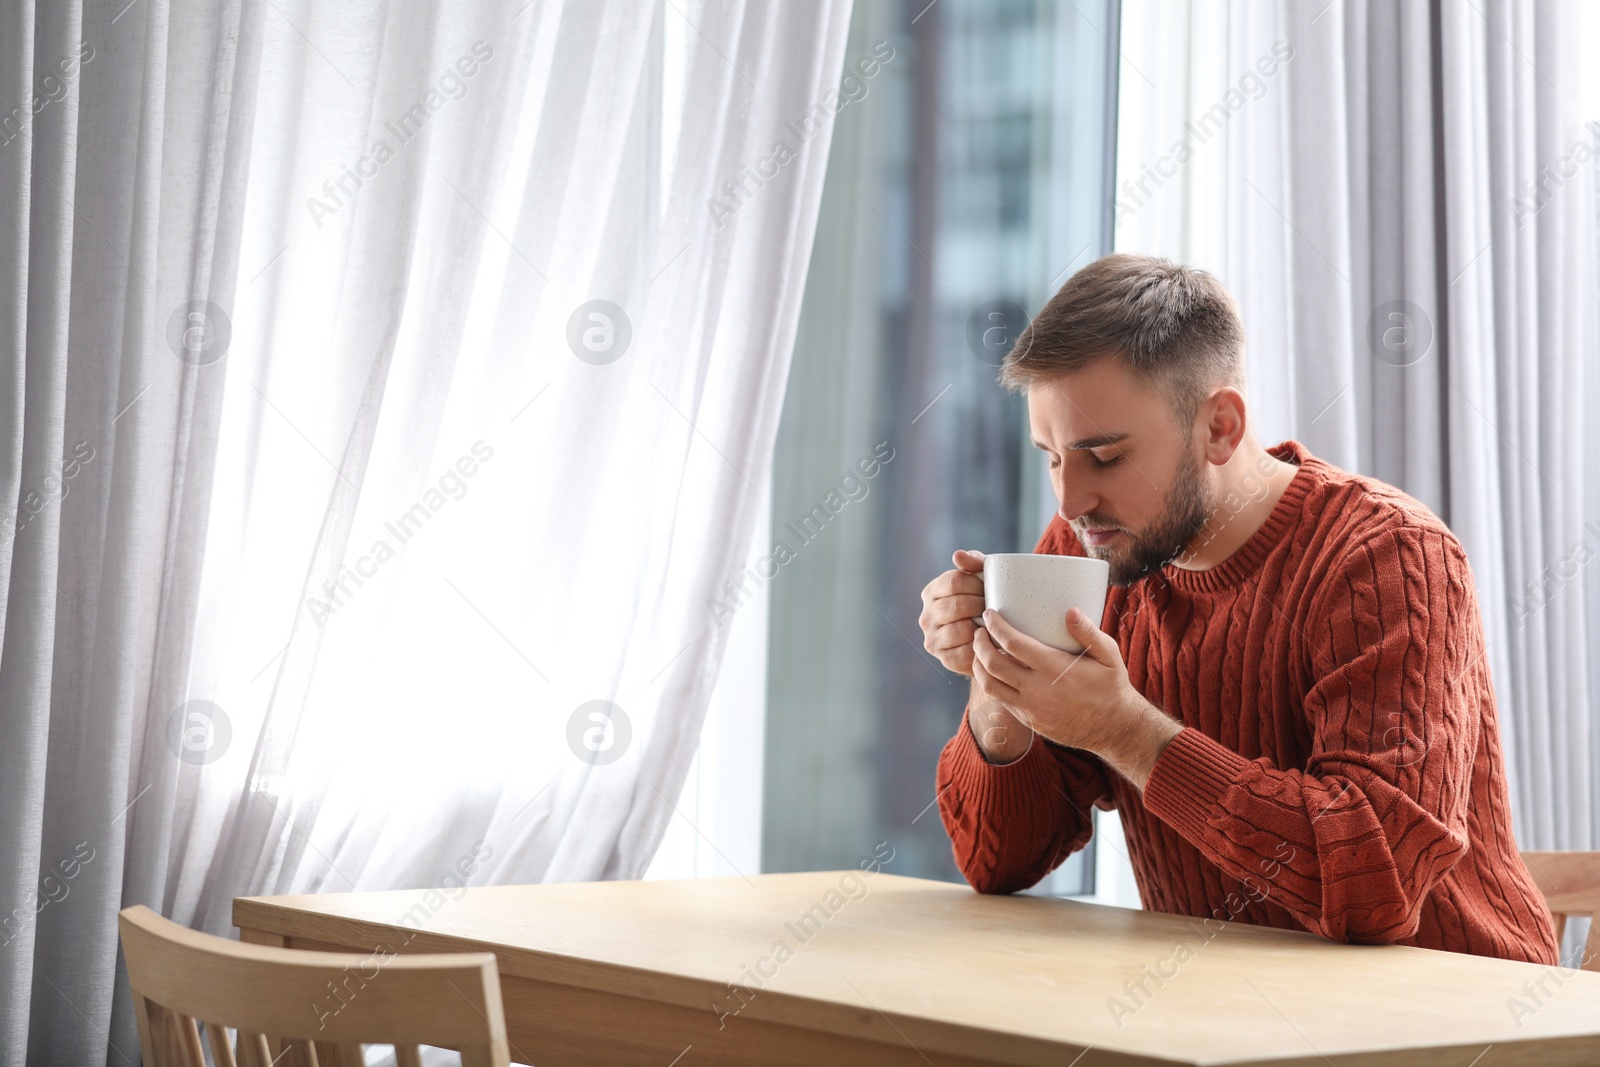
1340, 768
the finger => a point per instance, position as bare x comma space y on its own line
1013, 641
940, 611
996, 688
984, 652
968, 560
952, 583
948, 609
952, 635
957, 663
960, 661
995, 660
1096, 643
962, 583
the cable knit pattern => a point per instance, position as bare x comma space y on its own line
1340, 769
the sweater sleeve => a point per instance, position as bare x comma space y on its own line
1011, 824
1352, 843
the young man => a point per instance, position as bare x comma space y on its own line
1289, 703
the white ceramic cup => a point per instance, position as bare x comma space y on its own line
1034, 592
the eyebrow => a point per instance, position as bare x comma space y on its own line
1099, 441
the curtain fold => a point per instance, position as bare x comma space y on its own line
388, 387
1390, 192
122, 143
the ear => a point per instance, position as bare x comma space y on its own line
1223, 423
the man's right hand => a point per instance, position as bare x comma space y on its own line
951, 605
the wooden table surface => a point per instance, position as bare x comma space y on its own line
894, 970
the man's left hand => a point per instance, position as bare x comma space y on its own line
1081, 700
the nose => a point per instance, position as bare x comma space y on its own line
1075, 505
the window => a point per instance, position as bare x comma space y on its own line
969, 175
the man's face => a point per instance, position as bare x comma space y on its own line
1130, 483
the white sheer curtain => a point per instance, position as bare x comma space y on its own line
492, 307
1370, 179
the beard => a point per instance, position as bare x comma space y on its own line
1189, 504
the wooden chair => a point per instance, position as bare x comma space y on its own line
1570, 882
319, 1006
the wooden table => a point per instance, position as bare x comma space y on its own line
890, 970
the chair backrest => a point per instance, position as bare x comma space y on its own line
1570, 882
319, 1007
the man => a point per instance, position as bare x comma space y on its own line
1289, 702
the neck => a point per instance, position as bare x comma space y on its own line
1247, 488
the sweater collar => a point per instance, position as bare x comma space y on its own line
1249, 557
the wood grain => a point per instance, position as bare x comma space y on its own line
894, 969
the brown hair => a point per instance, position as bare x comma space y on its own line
1173, 325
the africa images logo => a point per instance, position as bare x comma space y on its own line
738, 191
449, 86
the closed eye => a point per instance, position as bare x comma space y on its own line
1098, 462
